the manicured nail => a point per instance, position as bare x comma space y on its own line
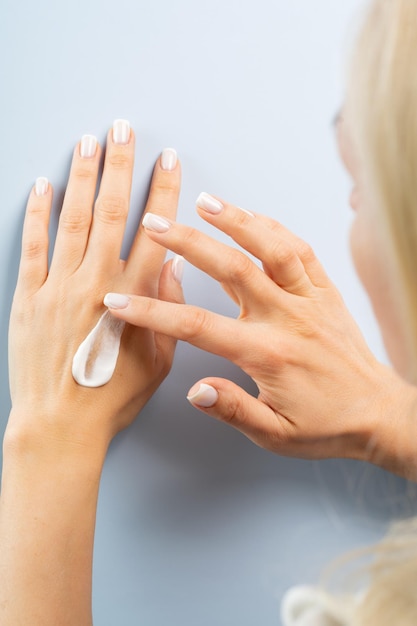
121, 131
41, 186
209, 204
156, 223
169, 159
88, 146
177, 268
116, 301
203, 395
245, 211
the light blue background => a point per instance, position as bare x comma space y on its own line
195, 524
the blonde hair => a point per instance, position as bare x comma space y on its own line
382, 111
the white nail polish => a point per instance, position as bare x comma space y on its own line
205, 396
245, 211
41, 186
88, 146
169, 159
121, 131
116, 301
156, 223
209, 204
177, 268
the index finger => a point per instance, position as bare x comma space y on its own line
146, 257
209, 331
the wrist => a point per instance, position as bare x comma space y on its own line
27, 445
392, 443
47, 519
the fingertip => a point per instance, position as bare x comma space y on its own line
42, 187
202, 395
177, 268
116, 301
168, 159
121, 134
170, 283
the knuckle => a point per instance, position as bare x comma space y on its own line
82, 172
111, 209
190, 238
241, 219
234, 414
305, 251
36, 209
74, 220
120, 161
281, 253
239, 268
33, 248
163, 185
195, 324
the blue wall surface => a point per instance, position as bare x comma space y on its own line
196, 526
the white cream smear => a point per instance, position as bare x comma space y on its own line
95, 360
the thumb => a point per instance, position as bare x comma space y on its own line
229, 403
170, 290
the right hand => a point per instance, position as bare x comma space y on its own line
321, 392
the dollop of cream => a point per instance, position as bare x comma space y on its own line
95, 360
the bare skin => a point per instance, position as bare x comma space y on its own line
321, 392
58, 432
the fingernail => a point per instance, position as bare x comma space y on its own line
41, 186
245, 211
88, 146
156, 223
203, 395
209, 204
169, 159
121, 131
177, 268
116, 301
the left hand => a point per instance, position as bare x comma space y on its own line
55, 308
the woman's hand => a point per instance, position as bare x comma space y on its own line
321, 392
55, 308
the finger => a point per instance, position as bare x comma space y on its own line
305, 253
76, 214
229, 403
208, 331
246, 283
170, 290
112, 204
278, 255
146, 257
33, 268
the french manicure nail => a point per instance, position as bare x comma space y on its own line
41, 186
88, 146
168, 159
156, 223
204, 396
116, 301
121, 132
177, 268
209, 204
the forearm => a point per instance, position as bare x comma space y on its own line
47, 521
